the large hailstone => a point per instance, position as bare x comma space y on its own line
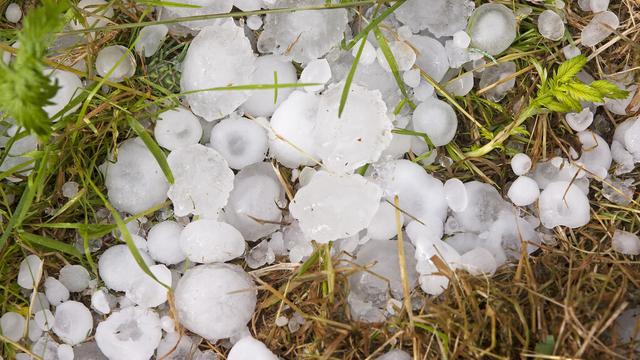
147, 292
333, 206
73, 322
74, 277
483, 207
437, 119
359, 136
551, 25
431, 56
163, 244
220, 55
492, 28
304, 35
255, 201
118, 268
132, 333
135, 182
596, 155
249, 348
30, 272
562, 203
599, 28
292, 123
240, 141
208, 241
70, 86
440, 17
215, 301
199, 7
268, 68
177, 128
203, 181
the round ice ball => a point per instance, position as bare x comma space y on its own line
492, 28
208, 241
69, 87
177, 128
520, 164
524, 191
249, 348
240, 141
100, 12
431, 56
13, 13
118, 267
30, 272
131, 333
73, 322
116, 63
215, 301
163, 242
551, 25
383, 225
74, 277
562, 203
268, 69
437, 119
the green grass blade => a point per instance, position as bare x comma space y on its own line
50, 244
349, 79
374, 23
153, 147
391, 60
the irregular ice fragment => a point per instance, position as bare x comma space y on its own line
56, 292
317, 71
208, 241
249, 348
441, 17
599, 28
177, 128
270, 69
132, 333
30, 272
626, 242
580, 121
147, 292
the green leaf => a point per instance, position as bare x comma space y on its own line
583, 92
391, 60
570, 102
153, 147
349, 79
546, 347
50, 244
570, 68
609, 90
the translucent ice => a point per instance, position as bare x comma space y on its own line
260, 255
70, 189
177, 128
249, 348
118, 267
580, 121
30, 272
163, 244
96, 13
305, 35
268, 69
596, 155
562, 203
74, 277
460, 85
520, 164
618, 191
215, 301
495, 74
479, 261
598, 5
73, 323
599, 28
44, 319
13, 13
411, 78
456, 194
207, 241
175, 346
403, 55
132, 333
359, 135
151, 38
203, 181
571, 51
70, 86
431, 56
625, 242
461, 39
437, 119
383, 225
441, 17
492, 28
135, 182
524, 191
12, 325
240, 141
100, 301
317, 71
199, 7
369, 53
55, 291
116, 63
626, 325
484, 206
395, 355
220, 55
551, 25
65, 352
145, 291
333, 206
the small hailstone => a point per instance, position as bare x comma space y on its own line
626, 242
74, 277
254, 22
412, 78
118, 267
218, 56
69, 87
461, 39
618, 191
13, 13
441, 17
485, 205
100, 301
461, 85
562, 203
599, 28
163, 244
203, 181
495, 74
174, 346
623, 158
12, 325
597, 6
403, 54
520, 164
479, 261
168, 324
30, 272
135, 182
268, 67
131, 333
333, 206
34, 332
296, 322
524, 191
619, 106
45, 347
70, 189
65, 352
101, 11
359, 135
177, 128
260, 255
632, 138
150, 39
551, 25
492, 28
249, 348
559, 4
107, 59
423, 92
240, 141
281, 321
40, 302
456, 194
431, 56
56, 292
197, 8
208, 241
368, 55
73, 322
317, 71
215, 301
44, 319
395, 355
596, 154
147, 292
570, 51
437, 119
383, 224
580, 121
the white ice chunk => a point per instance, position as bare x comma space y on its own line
151, 38
163, 242
73, 323
625, 242
598, 5
437, 119
620, 106
618, 191
524, 191
96, 13
485, 204
13, 13
551, 25
431, 56
317, 71
207, 241
456, 194
65, 352
74, 277
254, 22
460, 85
492, 28
333, 206
383, 224
268, 69
411, 78
12, 325
135, 182
175, 346
44, 319
260, 255
30, 272
626, 325
359, 135
218, 56
369, 53
496, 74
479, 261
599, 28
580, 121
249, 348
198, 7
520, 164
215, 301
132, 333
56, 292
632, 138
596, 155
70, 189
395, 355
177, 128
116, 63
623, 158
240, 141
441, 17
118, 267
147, 292
461, 39
562, 203
570, 51
203, 181
100, 301
70, 86
403, 55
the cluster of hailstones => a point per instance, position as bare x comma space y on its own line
227, 193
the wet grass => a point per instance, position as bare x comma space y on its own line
560, 302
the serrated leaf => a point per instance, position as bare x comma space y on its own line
583, 92
568, 101
570, 68
542, 72
609, 90
557, 106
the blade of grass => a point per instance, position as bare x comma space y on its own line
50, 243
391, 60
153, 147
